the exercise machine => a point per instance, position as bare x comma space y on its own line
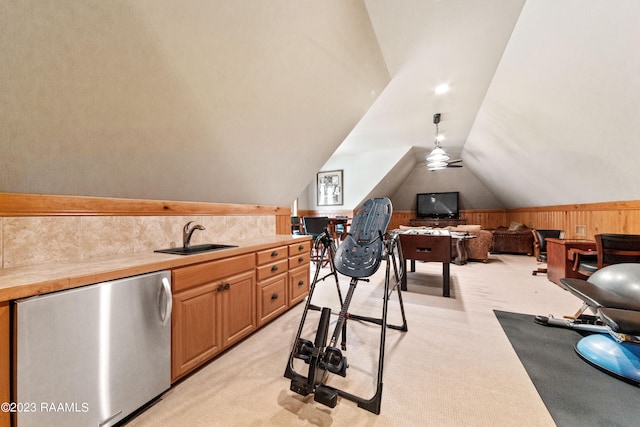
359, 256
613, 294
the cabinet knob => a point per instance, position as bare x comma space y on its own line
220, 288
227, 286
301, 282
274, 297
301, 247
301, 259
274, 268
274, 253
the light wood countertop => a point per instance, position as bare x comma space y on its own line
21, 282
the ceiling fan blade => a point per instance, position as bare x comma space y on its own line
454, 166
454, 161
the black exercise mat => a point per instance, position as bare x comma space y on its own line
575, 393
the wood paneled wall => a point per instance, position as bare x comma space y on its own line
18, 204
580, 221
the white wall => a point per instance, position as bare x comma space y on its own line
559, 123
218, 101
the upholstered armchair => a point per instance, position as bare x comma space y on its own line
478, 248
517, 238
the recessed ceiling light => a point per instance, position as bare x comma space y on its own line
443, 88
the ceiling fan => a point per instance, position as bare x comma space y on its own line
438, 159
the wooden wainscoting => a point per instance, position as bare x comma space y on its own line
593, 218
18, 204
579, 221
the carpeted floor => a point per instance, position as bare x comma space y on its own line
576, 393
454, 367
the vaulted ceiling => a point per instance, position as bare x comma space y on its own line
245, 101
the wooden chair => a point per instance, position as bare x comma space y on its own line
540, 246
611, 249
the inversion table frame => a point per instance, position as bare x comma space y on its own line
358, 257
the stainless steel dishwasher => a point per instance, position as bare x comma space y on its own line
91, 356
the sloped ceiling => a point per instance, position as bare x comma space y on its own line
244, 101
221, 101
559, 124
542, 104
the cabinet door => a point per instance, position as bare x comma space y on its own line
272, 298
238, 307
298, 284
195, 328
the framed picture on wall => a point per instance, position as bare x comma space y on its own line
330, 188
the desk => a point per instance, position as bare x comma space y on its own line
560, 258
425, 247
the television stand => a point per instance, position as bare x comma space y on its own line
437, 222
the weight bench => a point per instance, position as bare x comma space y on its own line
613, 295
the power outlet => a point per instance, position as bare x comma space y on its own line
581, 230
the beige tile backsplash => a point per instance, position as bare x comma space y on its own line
28, 241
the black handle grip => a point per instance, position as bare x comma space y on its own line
274, 297
301, 259
301, 282
274, 268
227, 286
220, 288
301, 247
274, 253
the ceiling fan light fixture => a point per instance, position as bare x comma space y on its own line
434, 166
437, 155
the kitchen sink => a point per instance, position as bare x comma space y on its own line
195, 249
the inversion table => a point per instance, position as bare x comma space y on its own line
358, 257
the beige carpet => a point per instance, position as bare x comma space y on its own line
454, 367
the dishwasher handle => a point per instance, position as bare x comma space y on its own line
166, 306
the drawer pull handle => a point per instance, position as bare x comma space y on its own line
274, 253
301, 247
301, 282
274, 268
220, 288
227, 286
301, 259
274, 297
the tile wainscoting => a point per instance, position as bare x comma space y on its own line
37, 229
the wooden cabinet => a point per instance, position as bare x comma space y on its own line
273, 265
213, 307
299, 266
218, 303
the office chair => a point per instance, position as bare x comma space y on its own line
540, 246
315, 226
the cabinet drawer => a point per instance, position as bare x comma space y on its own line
297, 261
274, 269
194, 275
300, 248
272, 299
271, 255
298, 285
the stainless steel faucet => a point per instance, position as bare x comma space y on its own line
188, 232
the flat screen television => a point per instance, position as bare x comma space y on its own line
438, 205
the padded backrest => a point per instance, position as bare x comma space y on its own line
623, 279
617, 248
360, 253
543, 235
315, 225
